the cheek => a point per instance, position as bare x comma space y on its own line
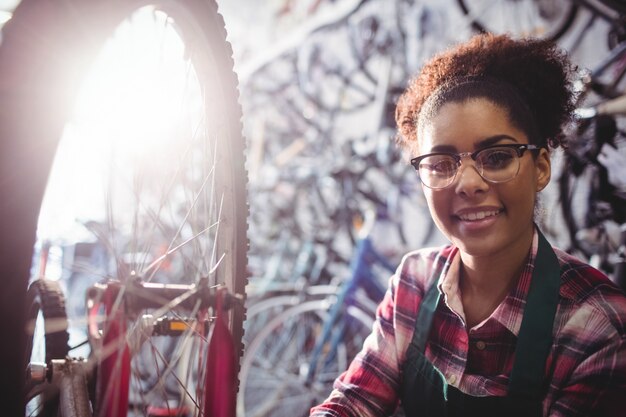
520, 198
524, 187
438, 204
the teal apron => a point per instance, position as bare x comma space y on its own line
425, 391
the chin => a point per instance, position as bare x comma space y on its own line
477, 246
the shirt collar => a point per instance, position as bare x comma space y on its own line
510, 311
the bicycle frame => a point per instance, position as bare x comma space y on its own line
114, 346
362, 276
113, 382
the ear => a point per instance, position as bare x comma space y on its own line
542, 169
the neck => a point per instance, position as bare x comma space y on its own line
486, 280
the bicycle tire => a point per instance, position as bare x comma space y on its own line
46, 297
263, 308
553, 28
40, 78
47, 329
274, 367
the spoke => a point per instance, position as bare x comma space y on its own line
139, 389
169, 371
156, 216
110, 227
161, 381
154, 266
190, 327
178, 300
157, 262
214, 252
167, 190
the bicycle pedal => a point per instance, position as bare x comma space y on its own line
167, 326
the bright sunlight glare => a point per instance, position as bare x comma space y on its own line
4, 17
129, 106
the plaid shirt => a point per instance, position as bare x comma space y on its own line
586, 368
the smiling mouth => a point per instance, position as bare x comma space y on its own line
480, 215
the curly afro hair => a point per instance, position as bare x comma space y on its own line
530, 78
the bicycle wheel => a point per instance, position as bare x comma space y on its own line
262, 310
275, 366
548, 19
591, 207
47, 339
164, 189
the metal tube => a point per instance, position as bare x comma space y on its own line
71, 377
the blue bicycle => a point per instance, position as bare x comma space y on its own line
291, 363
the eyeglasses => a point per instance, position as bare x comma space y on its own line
496, 164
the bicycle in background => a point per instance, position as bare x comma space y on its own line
545, 19
290, 363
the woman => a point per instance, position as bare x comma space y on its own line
498, 322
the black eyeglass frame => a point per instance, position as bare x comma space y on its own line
520, 148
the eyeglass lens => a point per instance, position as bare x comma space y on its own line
493, 164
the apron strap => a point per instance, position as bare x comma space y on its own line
426, 311
425, 317
535, 336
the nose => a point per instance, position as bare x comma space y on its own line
468, 180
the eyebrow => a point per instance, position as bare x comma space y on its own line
491, 140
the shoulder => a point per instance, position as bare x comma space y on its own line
588, 356
590, 298
422, 267
417, 272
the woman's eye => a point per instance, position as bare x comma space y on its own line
497, 159
438, 166
445, 166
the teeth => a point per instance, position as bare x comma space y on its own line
478, 216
